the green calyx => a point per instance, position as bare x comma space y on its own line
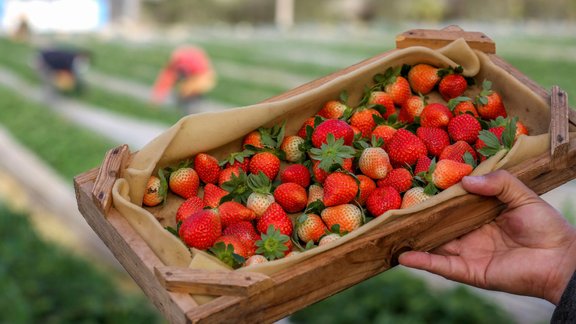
225, 253
259, 183
492, 143
273, 244
237, 187
237, 156
332, 153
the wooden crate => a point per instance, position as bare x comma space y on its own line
253, 297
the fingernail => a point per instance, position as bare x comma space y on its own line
474, 180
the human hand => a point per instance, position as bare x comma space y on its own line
529, 249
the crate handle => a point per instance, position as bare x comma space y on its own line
114, 162
433, 38
213, 282
559, 131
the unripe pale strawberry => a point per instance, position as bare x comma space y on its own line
259, 202
184, 182
315, 192
155, 192
327, 239
413, 197
255, 259
347, 216
291, 148
374, 162
310, 227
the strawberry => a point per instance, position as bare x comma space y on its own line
366, 187
399, 179
184, 182
276, 217
383, 199
435, 115
464, 128
245, 232
207, 168
374, 162
500, 136
254, 139
462, 105
384, 132
274, 244
332, 109
255, 259
155, 191
405, 148
201, 229
291, 196
310, 227
315, 193
384, 100
456, 151
212, 195
339, 188
399, 90
238, 159
226, 174
348, 217
330, 156
520, 129
422, 165
261, 197
308, 122
435, 139
320, 173
423, 78
489, 103
452, 84
364, 120
291, 148
338, 129
327, 239
413, 197
232, 212
265, 162
226, 246
189, 207
296, 173
412, 108
448, 172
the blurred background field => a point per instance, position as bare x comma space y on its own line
259, 48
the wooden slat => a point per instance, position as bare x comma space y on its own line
214, 282
114, 162
559, 134
434, 39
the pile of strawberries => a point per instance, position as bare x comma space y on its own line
417, 131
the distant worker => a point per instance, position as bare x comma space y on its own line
187, 76
62, 69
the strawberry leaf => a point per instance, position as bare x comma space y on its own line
344, 97
469, 159
226, 254
492, 143
272, 245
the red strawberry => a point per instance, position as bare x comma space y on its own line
296, 173
456, 151
336, 127
383, 199
189, 207
307, 122
212, 195
201, 229
245, 232
374, 162
405, 148
339, 188
422, 165
464, 128
435, 139
453, 84
399, 179
320, 174
291, 196
366, 187
383, 99
489, 103
348, 217
332, 109
412, 108
184, 182
276, 217
520, 129
399, 90
267, 163
435, 115
207, 167
232, 212
155, 192
364, 121
449, 172
291, 148
238, 246
238, 159
413, 197
384, 132
423, 78
254, 138
226, 174
310, 227
462, 105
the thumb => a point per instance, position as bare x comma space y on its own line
500, 184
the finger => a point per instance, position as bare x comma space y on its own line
451, 248
450, 267
501, 184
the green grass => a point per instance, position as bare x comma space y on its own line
67, 148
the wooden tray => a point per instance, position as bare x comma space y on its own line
253, 297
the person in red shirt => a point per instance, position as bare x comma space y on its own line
188, 75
